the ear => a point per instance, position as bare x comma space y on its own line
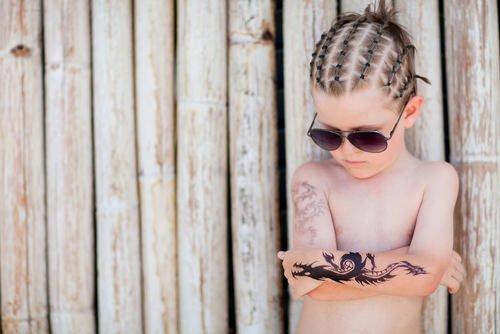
412, 109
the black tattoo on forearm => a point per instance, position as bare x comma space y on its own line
351, 267
307, 205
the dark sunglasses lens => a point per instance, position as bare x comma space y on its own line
326, 140
372, 142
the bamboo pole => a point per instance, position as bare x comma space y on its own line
118, 252
303, 23
253, 161
426, 139
70, 216
202, 166
473, 74
357, 6
22, 180
154, 69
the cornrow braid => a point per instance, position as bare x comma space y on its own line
371, 49
342, 53
327, 38
399, 60
405, 86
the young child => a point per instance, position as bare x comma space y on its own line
373, 227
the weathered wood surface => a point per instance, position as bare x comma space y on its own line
154, 75
22, 176
357, 6
473, 80
426, 139
253, 167
202, 201
118, 252
70, 214
303, 24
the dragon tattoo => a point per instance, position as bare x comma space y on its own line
352, 267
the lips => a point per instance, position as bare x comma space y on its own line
353, 162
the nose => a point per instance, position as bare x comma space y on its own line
348, 149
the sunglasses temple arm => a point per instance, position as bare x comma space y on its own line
395, 125
310, 126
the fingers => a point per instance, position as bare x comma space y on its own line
453, 285
453, 277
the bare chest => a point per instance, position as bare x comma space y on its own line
375, 217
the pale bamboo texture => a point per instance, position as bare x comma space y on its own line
22, 181
357, 6
202, 166
473, 76
134, 134
426, 139
118, 252
154, 70
303, 24
68, 122
253, 167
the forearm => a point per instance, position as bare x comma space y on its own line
328, 291
386, 273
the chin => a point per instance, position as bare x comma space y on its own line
359, 174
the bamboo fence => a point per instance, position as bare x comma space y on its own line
155, 115
473, 84
139, 146
68, 160
23, 259
202, 196
253, 138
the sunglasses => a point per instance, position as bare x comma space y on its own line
368, 141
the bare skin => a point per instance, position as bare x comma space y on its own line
370, 218
373, 207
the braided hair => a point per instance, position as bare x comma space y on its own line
366, 49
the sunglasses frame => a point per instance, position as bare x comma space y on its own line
339, 133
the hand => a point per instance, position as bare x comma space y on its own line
454, 274
299, 285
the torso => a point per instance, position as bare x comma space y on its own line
372, 215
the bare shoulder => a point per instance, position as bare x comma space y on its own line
441, 176
316, 172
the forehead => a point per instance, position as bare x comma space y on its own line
353, 110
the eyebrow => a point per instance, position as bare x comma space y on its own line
368, 126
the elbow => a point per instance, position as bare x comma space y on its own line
429, 287
432, 279
430, 284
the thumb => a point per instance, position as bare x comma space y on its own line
281, 254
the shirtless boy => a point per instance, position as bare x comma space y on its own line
373, 227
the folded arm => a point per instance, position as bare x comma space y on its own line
313, 227
418, 272
332, 291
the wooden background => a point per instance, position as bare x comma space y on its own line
146, 150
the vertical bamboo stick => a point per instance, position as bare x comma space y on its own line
154, 68
119, 285
202, 165
473, 74
253, 160
22, 181
357, 6
70, 218
303, 23
426, 139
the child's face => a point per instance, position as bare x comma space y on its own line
367, 109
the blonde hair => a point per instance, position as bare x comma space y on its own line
366, 49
